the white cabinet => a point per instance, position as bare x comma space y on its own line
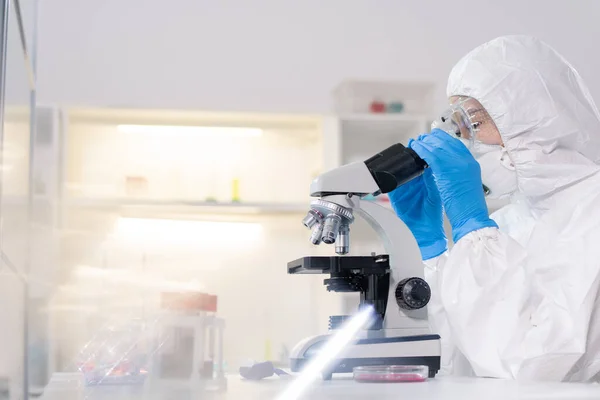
364, 135
373, 115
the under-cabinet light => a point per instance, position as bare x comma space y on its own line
195, 130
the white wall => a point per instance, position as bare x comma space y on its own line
280, 55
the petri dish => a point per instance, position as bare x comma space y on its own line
391, 373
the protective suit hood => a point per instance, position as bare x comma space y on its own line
546, 117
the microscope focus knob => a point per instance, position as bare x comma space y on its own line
412, 293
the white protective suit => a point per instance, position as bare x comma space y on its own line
522, 301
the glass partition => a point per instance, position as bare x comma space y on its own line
18, 360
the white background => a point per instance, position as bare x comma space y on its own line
280, 55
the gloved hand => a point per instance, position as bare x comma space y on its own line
458, 178
418, 204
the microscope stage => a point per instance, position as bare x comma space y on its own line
324, 264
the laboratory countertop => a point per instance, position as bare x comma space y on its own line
442, 388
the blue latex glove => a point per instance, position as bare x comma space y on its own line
458, 178
419, 206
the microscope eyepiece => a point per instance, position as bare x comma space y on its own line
395, 166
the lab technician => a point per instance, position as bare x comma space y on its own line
517, 295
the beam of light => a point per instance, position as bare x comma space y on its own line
332, 348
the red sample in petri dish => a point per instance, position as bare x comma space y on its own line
391, 373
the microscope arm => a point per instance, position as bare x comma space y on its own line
382, 173
398, 240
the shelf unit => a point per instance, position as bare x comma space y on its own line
168, 231
359, 133
190, 166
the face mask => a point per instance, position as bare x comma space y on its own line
497, 172
477, 148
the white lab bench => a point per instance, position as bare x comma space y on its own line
441, 388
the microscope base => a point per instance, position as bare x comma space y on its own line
402, 350
346, 365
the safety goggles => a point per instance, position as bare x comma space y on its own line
468, 121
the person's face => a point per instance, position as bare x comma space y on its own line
482, 125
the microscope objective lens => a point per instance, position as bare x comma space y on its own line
311, 219
317, 233
331, 227
342, 243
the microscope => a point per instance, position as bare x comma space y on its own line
392, 284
